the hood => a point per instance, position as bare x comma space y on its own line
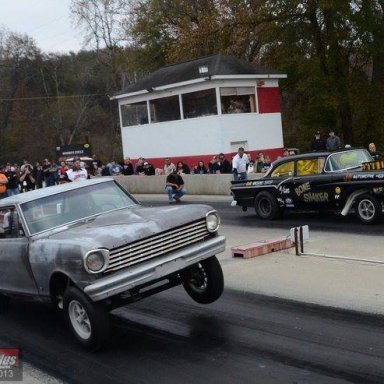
120, 227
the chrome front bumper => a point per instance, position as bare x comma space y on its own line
153, 270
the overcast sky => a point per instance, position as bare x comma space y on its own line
46, 21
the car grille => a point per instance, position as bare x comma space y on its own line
158, 245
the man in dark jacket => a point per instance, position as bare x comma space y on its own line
174, 187
318, 144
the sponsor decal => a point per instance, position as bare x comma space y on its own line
338, 190
364, 176
267, 182
316, 197
337, 197
10, 364
288, 201
379, 176
258, 183
248, 183
378, 190
284, 190
302, 188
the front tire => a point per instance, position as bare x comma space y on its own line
368, 209
204, 281
266, 206
88, 320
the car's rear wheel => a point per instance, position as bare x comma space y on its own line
368, 209
88, 320
204, 281
266, 206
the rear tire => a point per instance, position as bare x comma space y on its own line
368, 209
204, 281
88, 320
266, 206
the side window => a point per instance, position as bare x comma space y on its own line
308, 167
284, 170
10, 224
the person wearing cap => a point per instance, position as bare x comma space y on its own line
76, 173
333, 142
318, 144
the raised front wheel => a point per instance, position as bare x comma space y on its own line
88, 320
204, 281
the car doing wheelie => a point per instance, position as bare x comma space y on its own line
89, 247
346, 181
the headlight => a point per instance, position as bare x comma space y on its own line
96, 261
213, 221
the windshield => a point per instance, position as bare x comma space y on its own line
62, 208
341, 161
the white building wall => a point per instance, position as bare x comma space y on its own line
203, 135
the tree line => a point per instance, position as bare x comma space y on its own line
332, 52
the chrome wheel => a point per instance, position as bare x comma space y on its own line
79, 319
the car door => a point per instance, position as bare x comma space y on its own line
311, 186
15, 272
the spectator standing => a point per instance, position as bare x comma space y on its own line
27, 181
200, 169
267, 163
214, 165
174, 187
182, 169
169, 167
318, 144
239, 165
13, 181
149, 169
127, 167
3, 183
251, 167
37, 173
76, 173
115, 169
373, 151
224, 164
62, 172
333, 142
259, 162
139, 167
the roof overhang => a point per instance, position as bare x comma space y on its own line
197, 81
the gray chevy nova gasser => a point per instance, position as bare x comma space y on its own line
89, 247
343, 181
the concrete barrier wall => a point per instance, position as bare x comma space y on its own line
194, 184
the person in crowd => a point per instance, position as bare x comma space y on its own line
76, 173
251, 167
333, 142
200, 169
318, 144
224, 164
115, 169
139, 167
62, 172
182, 169
13, 180
373, 151
174, 187
38, 175
259, 162
27, 181
169, 167
127, 167
214, 165
105, 170
3, 183
285, 152
239, 165
149, 169
267, 163
95, 170
236, 106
